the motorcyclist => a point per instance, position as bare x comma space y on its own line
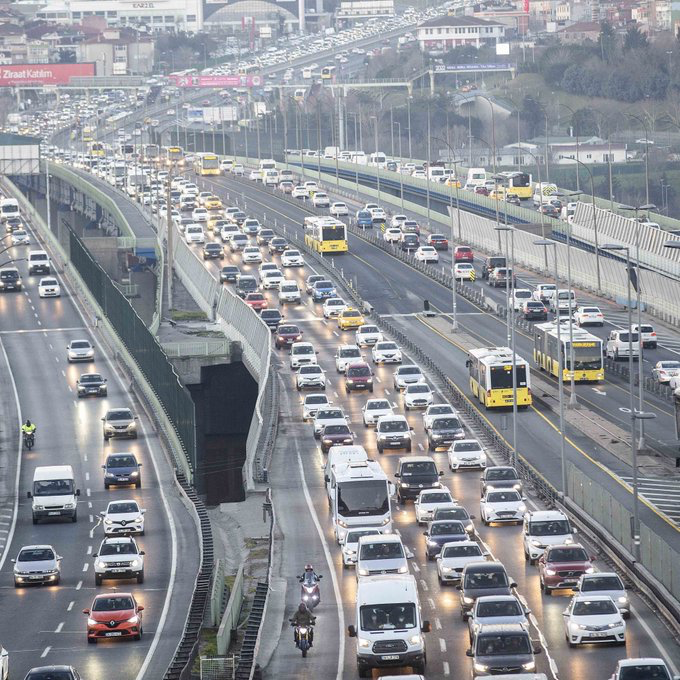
309, 576
303, 618
28, 427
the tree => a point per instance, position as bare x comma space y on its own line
585, 122
607, 42
635, 40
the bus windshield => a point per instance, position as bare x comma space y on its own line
585, 358
210, 162
358, 499
333, 233
501, 377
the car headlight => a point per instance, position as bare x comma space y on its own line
614, 625
454, 459
490, 487
342, 523
100, 564
404, 485
481, 668
350, 552
403, 570
69, 506
364, 643
133, 619
447, 570
38, 507
590, 570
109, 474
536, 542
136, 563
568, 541
529, 666
522, 508
550, 572
363, 572
416, 639
622, 600
517, 486
134, 474
108, 521
385, 521
327, 441
91, 622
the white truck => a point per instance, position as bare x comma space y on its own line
542, 192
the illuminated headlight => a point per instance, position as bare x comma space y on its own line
110, 474
447, 570
590, 570
2, 284
550, 572
416, 640
404, 485
490, 487
350, 382
622, 600
136, 563
349, 552
517, 487
38, 507
100, 564
537, 543
346, 441
469, 528
108, 521
134, 474
614, 625
385, 521
576, 627
91, 622
133, 619
327, 441
522, 508
342, 523
568, 541
20, 573
403, 570
468, 600
363, 572
132, 426
530, 666
364, 643
481, 668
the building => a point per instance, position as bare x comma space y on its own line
118, 52
580, 32
156, 15
447, 32
363, 9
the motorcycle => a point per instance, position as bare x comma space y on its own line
303, 641
29, 440
309, 590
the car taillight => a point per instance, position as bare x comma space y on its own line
654, 333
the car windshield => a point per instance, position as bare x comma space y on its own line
112, 604
418, 389
90, 378
80, 344
502, 645
467, 447
499, 608
437, 497
316, 399
451, 513
323, 285
124, 548
386, 345
381, 551
289, 330
424, 467
462, 551
358, 371
123, 507
486, 579
446, 528
307, 370
50, 675
594, 608
349, 352
36, 555
670, 364
354, 536
53, 487
363, 498
388, 616
121, 462
567, 555
305, 349
394, 426
503, 473
336, 429
329, 414
644, 672
122, 414
623, 337
503, 497
597, 583
446, 424
552, 528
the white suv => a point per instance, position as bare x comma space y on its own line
118, 557
544, 528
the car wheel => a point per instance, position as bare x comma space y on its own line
35, 520
380, 449
570, 643
106, 486
408, 448
74, 518
140, 577
138, 484
363, 672
91, 640
526, 556
98, 579
616, 355
139, 635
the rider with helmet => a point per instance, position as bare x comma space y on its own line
303, 618
28, 427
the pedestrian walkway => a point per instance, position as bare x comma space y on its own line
664, 494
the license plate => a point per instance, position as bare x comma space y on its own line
53, 513
599, 635
123, 479
390, 657
117, 571
35, 578
113, 633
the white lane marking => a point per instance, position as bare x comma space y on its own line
653, 636
430, 601
329, 562
421, 447
442, 645
377, 377
387, 392
336, 334
59, 627
87, 476
89, 550
70, 605
88, 492
86, 566
63, 373
423, 584
416, 568
46, 651
437, 624
447, 670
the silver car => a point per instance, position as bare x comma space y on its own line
120, 422
37, 564
79, 350
606, 583
496, 609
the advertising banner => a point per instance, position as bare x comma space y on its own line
25, 75
218, 81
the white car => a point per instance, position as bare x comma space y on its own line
20, 237
374, 409
292, 258
227, 231
466, 453
454, 557
325, 417
593, 619
199, 215
407, 374
123, 517
350, 544
377, 213
312, 403
289, 292
427, 501
418, 395
605, 583
255, 175
267, 267
332, 307
386, 352
504, 505
392, 235
48, 287
238, 170
664, 371
311, 375
320, 200
434, 410
271, 279
194, 234
519, 297
300, 191
345, 355
397, 221
426, 254
367, 335
79, 350
544, 291
630, 669
118, 558
251, 254
584, 316
464, 271
339, 209
647, 335
302, 353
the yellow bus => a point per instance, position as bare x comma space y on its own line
207, 164
326, 235
328, 73
491, 377
519, 183
97, 149
87, 134
588, 362
173, 155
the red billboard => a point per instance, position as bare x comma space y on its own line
218, 81
25, 75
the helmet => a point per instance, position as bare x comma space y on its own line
309, 567
28, 423
302, 608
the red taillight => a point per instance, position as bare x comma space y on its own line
654, 333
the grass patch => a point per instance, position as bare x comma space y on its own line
208, 334
185, 315
207, 646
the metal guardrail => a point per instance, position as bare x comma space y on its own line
198, 348
217, 591
228, 621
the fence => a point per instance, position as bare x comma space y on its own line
213, 668
229, 619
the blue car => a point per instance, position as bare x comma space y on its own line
442, 531
322, 290
364, 219
122, 469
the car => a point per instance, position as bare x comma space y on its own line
414, 473
622, 345
332, 307
245, 284
609, 584
518, 297
254, 176
213, 251
250, 226
438, 241
367, 335
494, 262
543, 528
407, 374
194, 234
409, 242
228, 231
238, 170
443, 430
664, 371
302, 353
442, 531
200, 215
41, 672
10, 279
300, 191
311, 280
345, 355
410, 227
480, 579
339, 209
251, 254
325, 417
417, 395
37, 564
463, 254
647, 334
229, 273
264, 236
374, 409
118, 557
497, 648
397, 220
453, 558
278, 245
647, 668
494, 610
91, 383
321, 290
561, 566
114, 615
500, 477
320, 200
212, 203
311, 375
543, 291
501, 277
350, 543
427, 501
336, 435
464, 271
358, 376
426, 254
272, 318
434, 410
123, 517
534, 310
267, 267
286, 335
588, 315
79, 350
593, 618
350, 319
119, 422
292, 258
122, 469
48, 286
386, 352
20, 237
505, 505
392, 235
312, 403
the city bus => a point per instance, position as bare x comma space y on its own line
307, 72
520, 184
151, 152
588, 362
299, 94
328, 73
97, 149
207, 164
326, 234
491, 377
172, 155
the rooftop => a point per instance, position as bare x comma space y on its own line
458, 21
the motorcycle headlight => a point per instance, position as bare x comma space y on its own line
364, 643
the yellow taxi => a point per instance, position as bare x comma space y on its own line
498, 194
214, 221
350, 318
453, 182
213, 203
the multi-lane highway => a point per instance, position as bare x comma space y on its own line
43, 625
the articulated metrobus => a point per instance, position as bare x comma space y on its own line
519, 183
97, 149
328, 73
207, 164
588, 363
172, 155
326, 234
151, 152
491, 377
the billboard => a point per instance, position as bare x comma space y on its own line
217, 81
26, 75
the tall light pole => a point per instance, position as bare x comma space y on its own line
401, 174
547, 144
573, 115
545, 243
408, 112
377, 165
644, 125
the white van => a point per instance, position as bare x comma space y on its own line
564, 302
436, 174
542, 192
38, 262
54, 493
381, 555
289, 291
9, 207
618, 345
389, 624
341, 455
476, 177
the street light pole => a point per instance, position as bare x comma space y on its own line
644, 125
401, 174
377, 165
573, 115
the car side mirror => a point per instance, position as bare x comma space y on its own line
574, 530
513, 584
103, 513
352, 631
77, 492
102, 419
538, 649
468, 652
29, 494
141, 552
473, 516
593, 558
106, 379
13, 560
396, 474
144, 511
140, 464
426, 627
140, 608
426, 533
576, 588
441, 473
86, 611
103, 467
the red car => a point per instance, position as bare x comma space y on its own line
438, 241
287, 334
463, 254
358, 376
336, 435
483, 191
114, 615
561, 566
257, 301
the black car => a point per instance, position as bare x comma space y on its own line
443, 431
14, 223
277, 245
229, 273
480, 579
500, 477
272, 317
239, 217
246, 284
409, 242
442, 531
213, 251
50, 672
122, 469
415, 473
535, 310
91, 384
10, 279
264, 236
492, 263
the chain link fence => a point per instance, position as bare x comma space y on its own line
218, 668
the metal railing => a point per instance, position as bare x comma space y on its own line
198, 348
228, 621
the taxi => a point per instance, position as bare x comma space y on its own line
216, 222
350, 318
213, 203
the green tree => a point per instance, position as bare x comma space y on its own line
606, 42
635, 39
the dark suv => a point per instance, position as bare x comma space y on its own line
358, 376
443, 431
10, 279
482, 578
246, 284
500, 477
492, 263
416, 473
502, 648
